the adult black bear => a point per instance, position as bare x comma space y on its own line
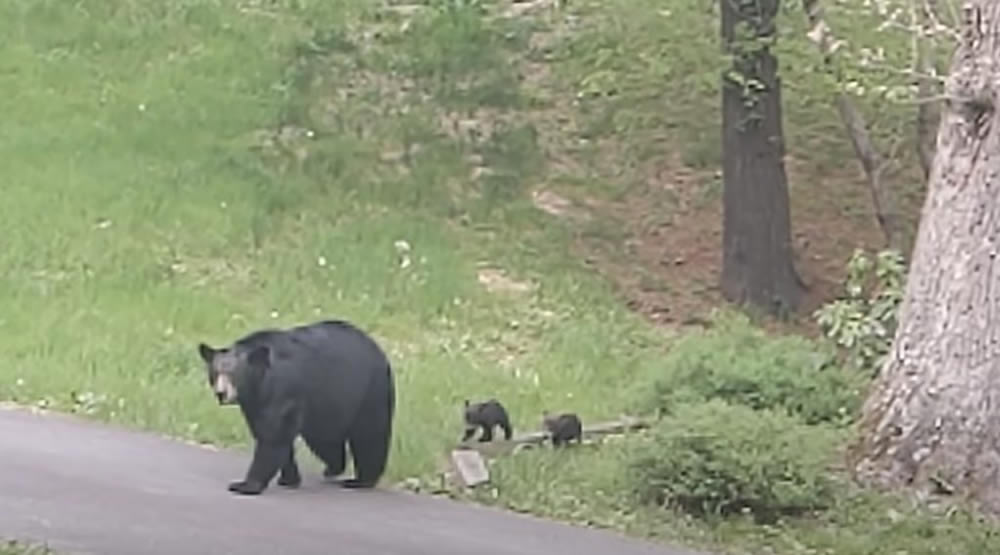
328, 381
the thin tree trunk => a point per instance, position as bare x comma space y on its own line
872, 161
757, 265
873, 164
932, 420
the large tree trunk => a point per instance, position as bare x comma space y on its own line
756, 227
932, 420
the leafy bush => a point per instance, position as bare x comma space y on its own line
715, 458
863, 321
741, 364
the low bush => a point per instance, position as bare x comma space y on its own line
862, 321
741, 364
718, 459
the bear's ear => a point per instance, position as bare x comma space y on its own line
207, 353
260, 357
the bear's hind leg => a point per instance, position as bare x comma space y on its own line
370, 453
333, 453
370, 432
370, 439
289, 475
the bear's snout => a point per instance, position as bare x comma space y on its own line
225, 391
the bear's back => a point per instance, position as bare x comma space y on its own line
334, 364
341, 344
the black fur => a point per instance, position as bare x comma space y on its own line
486, 416
329, 382
563, 428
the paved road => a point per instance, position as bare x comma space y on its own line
88, 488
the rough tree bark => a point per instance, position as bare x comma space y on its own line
757, 265
932, 421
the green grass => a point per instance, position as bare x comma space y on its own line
150, 202
11, 547
585, 487
139, 219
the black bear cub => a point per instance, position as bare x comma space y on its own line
486, 416
563, 428
328, 381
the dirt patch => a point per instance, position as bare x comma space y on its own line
497, 281
667, 264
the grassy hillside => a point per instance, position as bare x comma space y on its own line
518, 201
149, 205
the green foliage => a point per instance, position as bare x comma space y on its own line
718, 459
741, 364
863, 321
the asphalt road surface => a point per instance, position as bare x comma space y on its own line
83, 487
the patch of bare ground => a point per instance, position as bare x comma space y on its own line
658, 236
665, 259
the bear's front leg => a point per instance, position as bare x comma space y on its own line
268, 457
246, 487
275, 431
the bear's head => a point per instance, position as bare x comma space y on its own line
474, 414
232, 369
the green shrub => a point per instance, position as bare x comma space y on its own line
715, 458
863, 321
741, 364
